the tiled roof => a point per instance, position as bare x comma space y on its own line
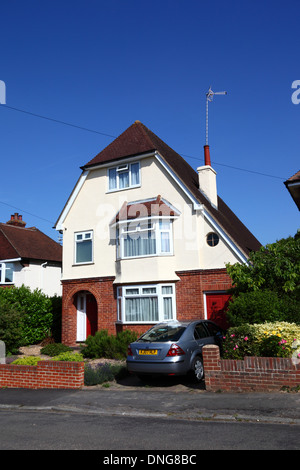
137, 140
27, 243
292, 179
155, 207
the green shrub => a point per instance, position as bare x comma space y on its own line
109, 346
27, 361
270, 339
103, 373
54, 349
36, 310
68, 356
11, 326
240, 342
261, 306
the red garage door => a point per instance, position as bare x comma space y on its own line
216, 306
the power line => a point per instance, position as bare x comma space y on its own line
26, 212
114, 137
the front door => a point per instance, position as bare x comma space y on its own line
81, 317
216, 306
86, 315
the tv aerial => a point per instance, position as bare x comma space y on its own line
209, 97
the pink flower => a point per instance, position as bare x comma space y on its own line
246, 338
232, 336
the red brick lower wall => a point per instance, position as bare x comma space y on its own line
47, 374
253, 374
189, 300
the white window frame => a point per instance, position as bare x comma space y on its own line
87, 235
122, 169
122, 295
3, 273
154, 224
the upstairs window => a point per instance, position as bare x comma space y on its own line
124, 176
83, 247
149, 237
6, 273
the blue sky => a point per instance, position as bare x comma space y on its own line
102, 65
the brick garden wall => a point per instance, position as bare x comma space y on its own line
248, 375
47, 374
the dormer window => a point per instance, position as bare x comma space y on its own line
124, 176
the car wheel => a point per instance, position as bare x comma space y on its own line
198, 370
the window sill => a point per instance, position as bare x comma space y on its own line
83, 264
122, 189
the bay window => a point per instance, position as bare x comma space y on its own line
146, 303
147, 237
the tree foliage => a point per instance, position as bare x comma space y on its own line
275, 267
268, 287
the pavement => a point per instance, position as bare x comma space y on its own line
168, 400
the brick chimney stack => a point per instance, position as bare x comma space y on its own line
207, 179
16, 220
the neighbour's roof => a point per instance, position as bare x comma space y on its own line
137, 140
27, 243
294, 178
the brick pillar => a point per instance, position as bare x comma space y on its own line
211, 358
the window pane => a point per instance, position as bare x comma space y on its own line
135, 173
167, 290
165, 242
132, 291
149, 290
141, 309
141, 245
9, 272
168, 313
123, 179
84, 251
112, 174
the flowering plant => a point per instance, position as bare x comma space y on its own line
277, 339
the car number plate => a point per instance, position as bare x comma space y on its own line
147, 352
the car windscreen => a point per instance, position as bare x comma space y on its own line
163, 333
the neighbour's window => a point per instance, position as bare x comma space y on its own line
146, 304
6, 273
83, 247
124, 176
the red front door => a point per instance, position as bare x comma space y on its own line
216, 306
91, 315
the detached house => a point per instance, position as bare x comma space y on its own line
146, 239
29, 257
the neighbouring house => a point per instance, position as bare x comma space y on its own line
293, 186
146, 239
29, 257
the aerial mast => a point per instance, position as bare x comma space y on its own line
209, 97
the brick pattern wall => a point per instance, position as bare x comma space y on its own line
248, 375
189, 300
47, 374
191, 287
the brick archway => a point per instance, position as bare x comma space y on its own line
103, 293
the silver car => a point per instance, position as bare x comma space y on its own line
173, 348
